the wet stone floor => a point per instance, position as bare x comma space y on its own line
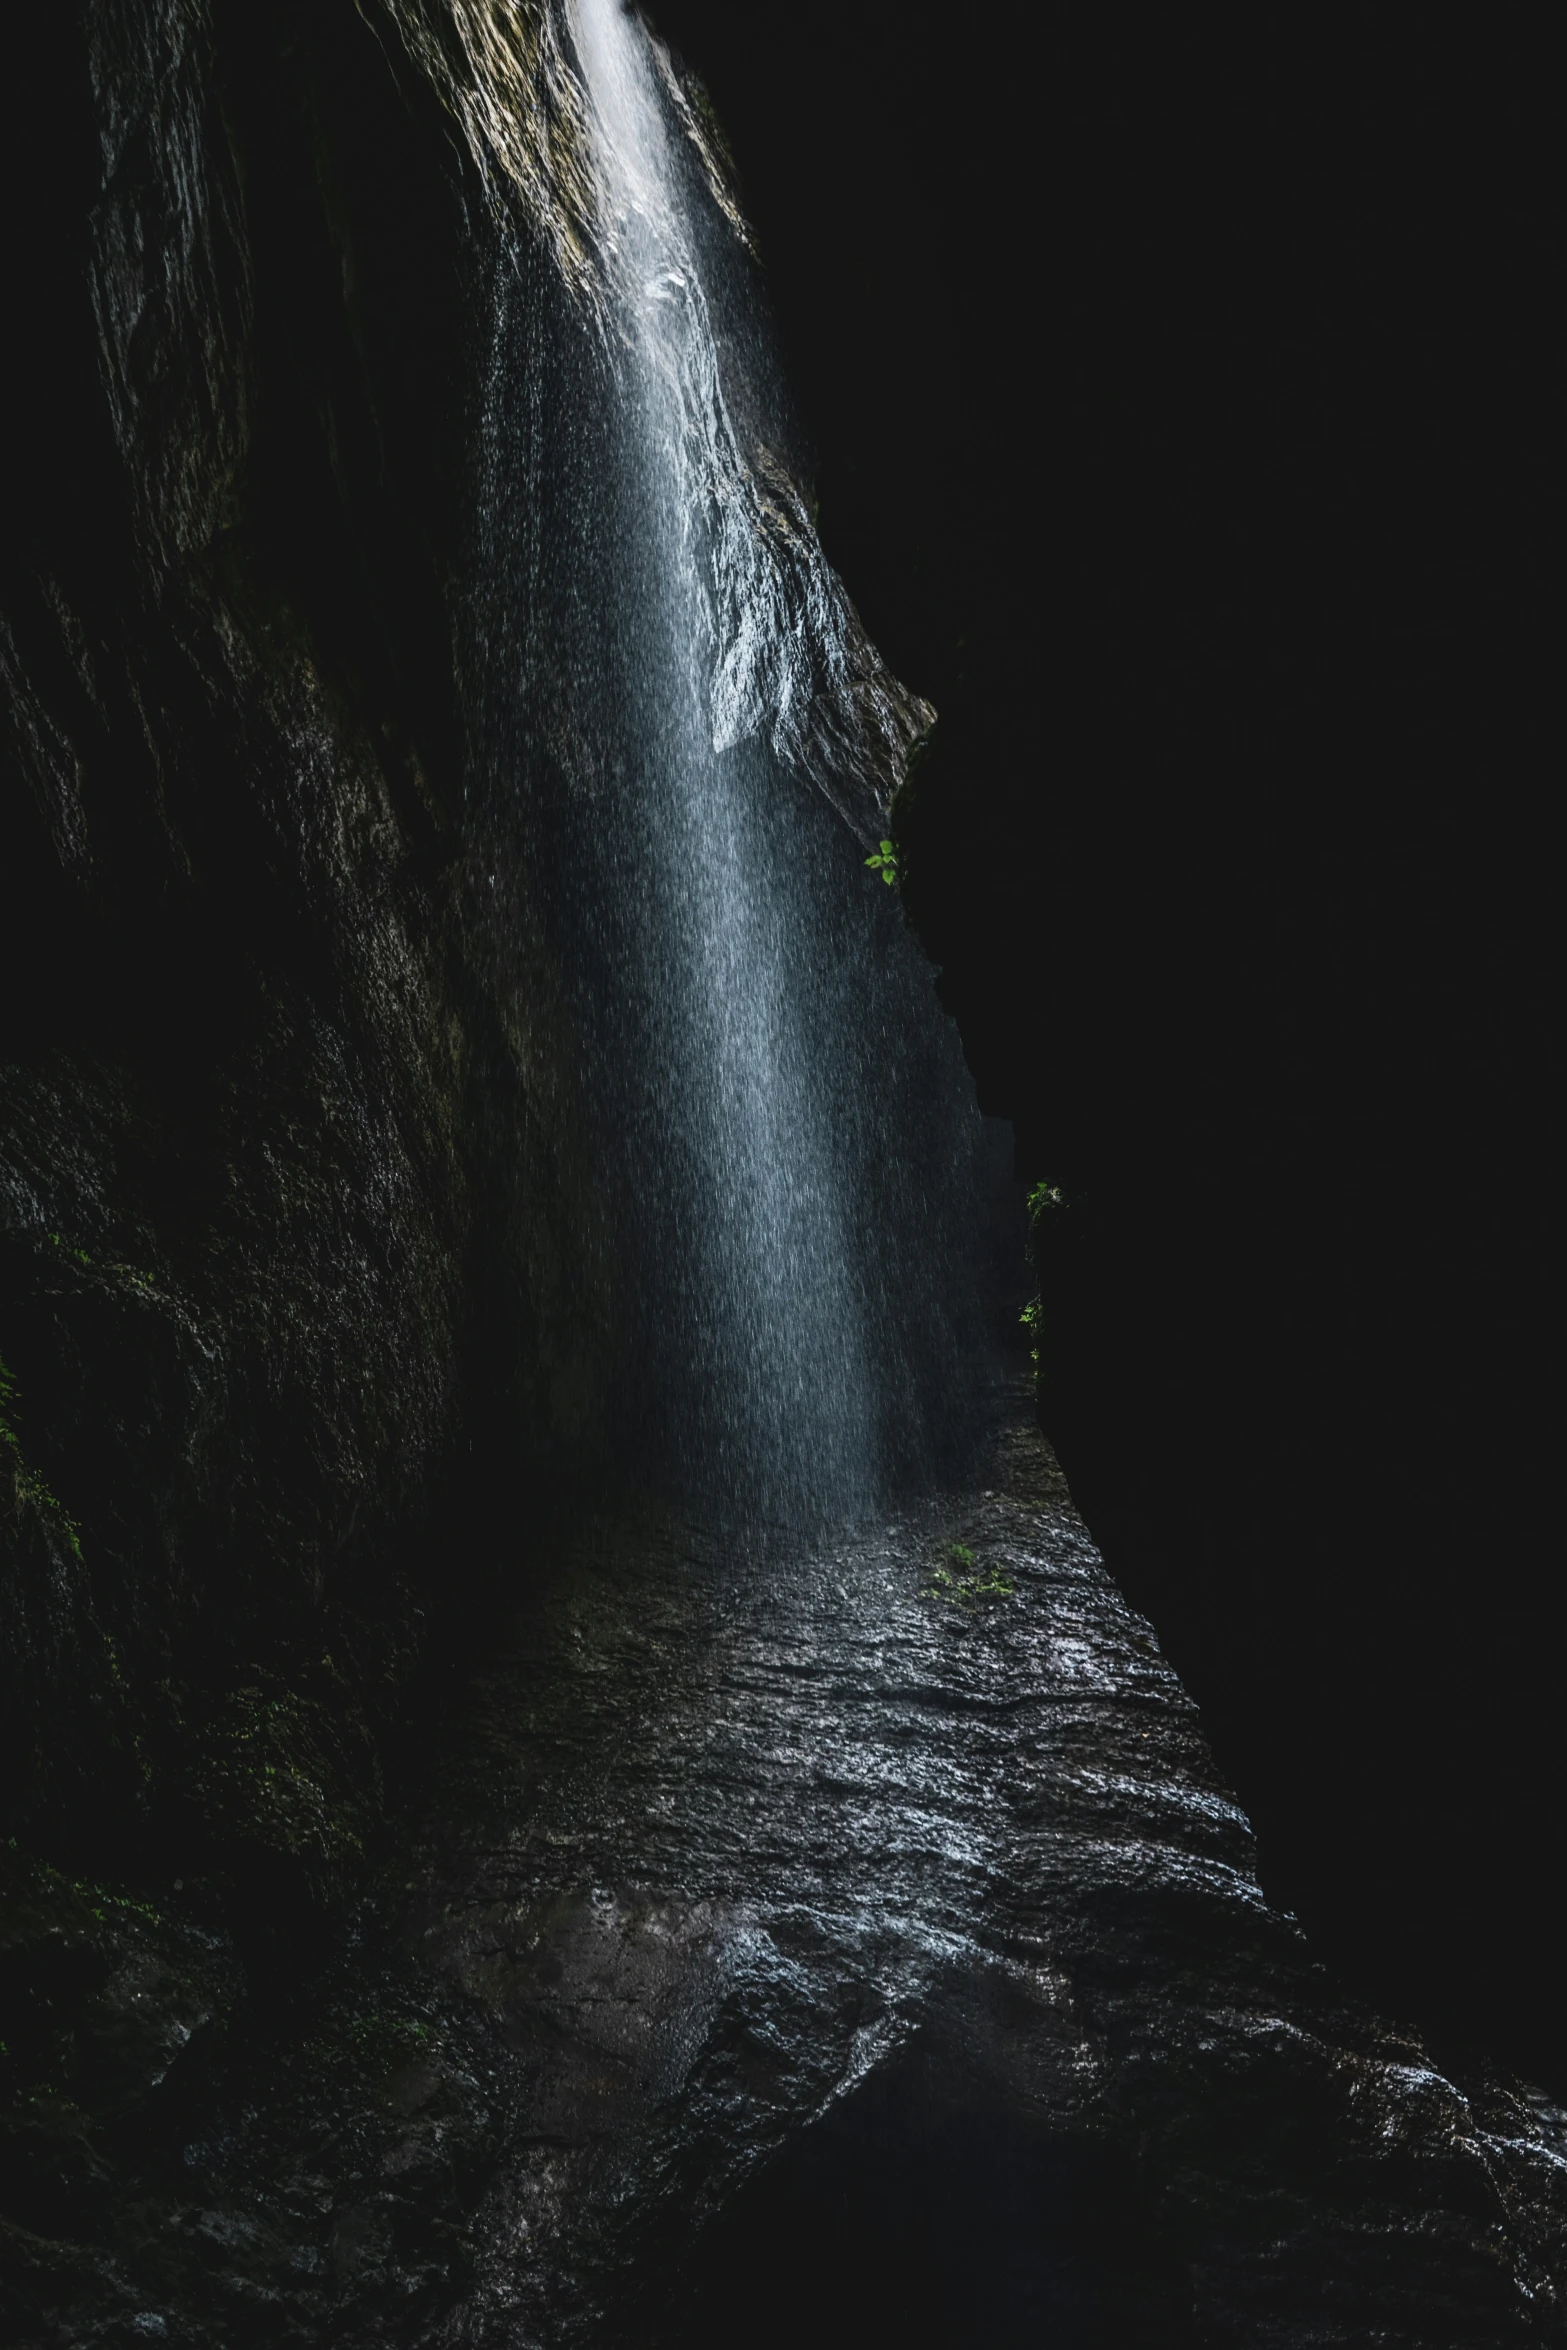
859, 1946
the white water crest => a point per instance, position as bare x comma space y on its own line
777, 1135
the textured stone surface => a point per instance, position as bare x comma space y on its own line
235, 1170
795, 1942
244, 1359
810, 1873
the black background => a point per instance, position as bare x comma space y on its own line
1187, 394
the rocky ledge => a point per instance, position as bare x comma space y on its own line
857, 1938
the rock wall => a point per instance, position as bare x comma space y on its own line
288, 1275
245, 1015
309, 1276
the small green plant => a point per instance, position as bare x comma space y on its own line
272, 1769
885, 862
118, 1909
966, 1587
30, 1487
1042, 1196
106, 1266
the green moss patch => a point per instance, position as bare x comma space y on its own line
30, 1491
964, 1583
274, 1768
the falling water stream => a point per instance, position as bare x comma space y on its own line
750, 1206
781, 1133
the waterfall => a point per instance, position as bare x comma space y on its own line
779, 1135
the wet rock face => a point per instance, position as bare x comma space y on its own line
292, 1179
256, 1078
114, 2018
850, 1938
873, 1923
235, 1185
291, 1221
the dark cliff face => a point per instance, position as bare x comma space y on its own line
259, 1210
280, 1244
1229, 387
307, 1287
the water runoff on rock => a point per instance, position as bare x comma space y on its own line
782, 1147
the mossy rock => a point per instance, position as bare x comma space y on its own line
101, 1993
111, 2012
281, 1771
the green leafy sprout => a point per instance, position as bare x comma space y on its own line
1042, 1196
100, 1267
885, 862
963, 1585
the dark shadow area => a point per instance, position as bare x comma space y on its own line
920, 2210
1186, 409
